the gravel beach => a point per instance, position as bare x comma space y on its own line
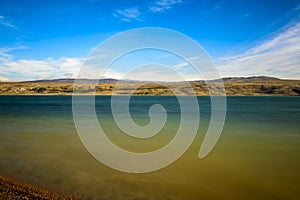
11, 189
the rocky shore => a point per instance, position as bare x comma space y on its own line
11, 189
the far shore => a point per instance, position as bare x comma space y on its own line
249, 86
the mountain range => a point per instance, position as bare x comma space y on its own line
234, 86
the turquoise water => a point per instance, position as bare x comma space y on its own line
256, 157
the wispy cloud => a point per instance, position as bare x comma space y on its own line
185, 64
134, 13
5, 52
297, 7
163, 5
214, 9
277, 56
4, 21
128, 14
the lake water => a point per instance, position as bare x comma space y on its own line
256, 157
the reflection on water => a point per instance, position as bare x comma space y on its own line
257, 156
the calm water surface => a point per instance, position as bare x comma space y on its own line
257, 156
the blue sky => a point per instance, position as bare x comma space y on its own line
50, 39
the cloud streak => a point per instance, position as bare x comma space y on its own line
164, 5
128, 14
278, 56
134, 13
185, 64
214, 9
4, 21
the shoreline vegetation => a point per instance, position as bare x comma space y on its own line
12, 189
234, 86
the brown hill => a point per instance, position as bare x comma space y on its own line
235, 86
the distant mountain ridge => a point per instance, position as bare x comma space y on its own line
72, 80
234, 86
250, 79
111, 80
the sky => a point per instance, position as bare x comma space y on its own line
42, 39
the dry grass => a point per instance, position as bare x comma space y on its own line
233, 88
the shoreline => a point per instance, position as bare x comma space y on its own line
150, 95
232, 87
13, 189
58, 95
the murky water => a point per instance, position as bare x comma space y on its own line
257, 156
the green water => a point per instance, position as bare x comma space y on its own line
256, 157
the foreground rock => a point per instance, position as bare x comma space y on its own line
10, 189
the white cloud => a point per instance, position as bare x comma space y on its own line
110, 73
151, 72
25, 69
278, 56
4, 79
180, 65
128, 14
4, 21
163, 5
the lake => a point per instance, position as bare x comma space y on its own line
256, 157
